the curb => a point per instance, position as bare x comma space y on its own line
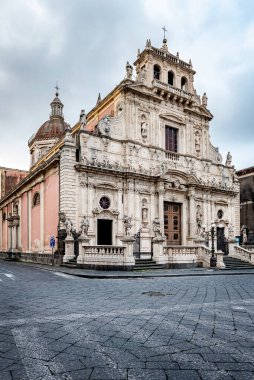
138, 276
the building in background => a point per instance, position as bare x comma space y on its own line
246, 178
9, 178
140, 164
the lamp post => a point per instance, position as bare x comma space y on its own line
213, 259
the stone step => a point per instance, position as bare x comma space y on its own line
144, 267
69, 265
231, 263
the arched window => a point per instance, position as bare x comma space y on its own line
184, 84
156, 72
171, 78
36, 199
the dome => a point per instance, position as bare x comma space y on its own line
55, 127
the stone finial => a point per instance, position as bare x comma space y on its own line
129, 70
82, 118
148, 44
98, 99
138, 55
204, 100
190, 63
177, 54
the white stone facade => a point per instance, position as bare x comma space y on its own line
124, 158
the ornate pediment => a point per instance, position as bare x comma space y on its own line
172, 117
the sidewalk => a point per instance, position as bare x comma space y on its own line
99, 274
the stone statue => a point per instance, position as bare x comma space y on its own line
229, 159
157, 227
129, 70
144, 212
82, 119
143, 74
127, 224
199, 219
69, 227
84, 226
62, 219
204, 100
244, 234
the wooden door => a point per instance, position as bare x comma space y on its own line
172, 223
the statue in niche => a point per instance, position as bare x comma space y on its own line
157, 227
84, 226
69, 227
129, 70
127, 222
199, 219
197, 143
144, 212
228, 159
82, 119
144, 130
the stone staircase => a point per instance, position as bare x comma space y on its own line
146, 264
71, 264
236, 264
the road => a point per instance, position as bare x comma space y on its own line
56, 326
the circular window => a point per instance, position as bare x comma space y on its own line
104, 203
220, 214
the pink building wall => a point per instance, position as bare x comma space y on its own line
35, 222
24, 223
51, 208
5, 230
49, 205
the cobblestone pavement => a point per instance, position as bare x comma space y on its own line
55, 326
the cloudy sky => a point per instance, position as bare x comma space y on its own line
84, 45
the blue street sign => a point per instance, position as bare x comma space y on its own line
52, 242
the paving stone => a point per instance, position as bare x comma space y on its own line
147, 374
182, 375
109, 373
106, 329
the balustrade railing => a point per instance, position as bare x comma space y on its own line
243, 254
172, 156
97, 250
172, 89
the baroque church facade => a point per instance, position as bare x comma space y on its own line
136, 176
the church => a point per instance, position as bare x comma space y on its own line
137, 178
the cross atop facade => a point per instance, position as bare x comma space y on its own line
164, 30
57, 88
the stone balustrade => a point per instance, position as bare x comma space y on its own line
172, 156
108, 250
180, 94
243, 254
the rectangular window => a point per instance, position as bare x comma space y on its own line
171, 139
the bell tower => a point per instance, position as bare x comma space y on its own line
160, 68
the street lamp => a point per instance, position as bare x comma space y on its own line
213, 259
